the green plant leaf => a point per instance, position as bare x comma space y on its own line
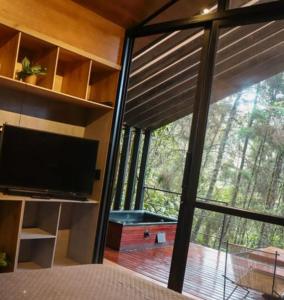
3, 260
26, 63
28, 69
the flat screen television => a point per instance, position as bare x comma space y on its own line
52, 164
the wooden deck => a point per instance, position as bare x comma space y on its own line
204, 271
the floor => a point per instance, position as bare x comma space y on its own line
204, 271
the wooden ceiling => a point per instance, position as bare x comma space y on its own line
128, 13
125, 13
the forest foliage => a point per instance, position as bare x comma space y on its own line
242, 166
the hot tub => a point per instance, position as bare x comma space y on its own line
138, 229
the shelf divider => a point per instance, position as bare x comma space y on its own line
8, 55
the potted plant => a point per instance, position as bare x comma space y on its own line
4, 262
29, 72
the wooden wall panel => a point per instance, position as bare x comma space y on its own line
65, 21
10, 215
99, 130
39, 114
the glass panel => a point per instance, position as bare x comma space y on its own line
252, 248
242, 167
243, 158
160, 96
165, 167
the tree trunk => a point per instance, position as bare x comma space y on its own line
242, 163
212, 142
218, 162
271, 198
254, 177
222, 147
244, 152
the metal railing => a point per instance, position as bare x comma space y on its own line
195, 234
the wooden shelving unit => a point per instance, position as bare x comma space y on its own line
70, 77
41, 234
75, 97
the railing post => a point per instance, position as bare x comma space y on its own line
274, 272
122, 168
141, 179
222, 231
132, 170
225, 275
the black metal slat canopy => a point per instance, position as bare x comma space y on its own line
163, 77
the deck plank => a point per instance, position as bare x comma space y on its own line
204, 270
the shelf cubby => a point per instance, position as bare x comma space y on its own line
9, 43
73, 247
36, 252
102, 84
72, 74
10, 216
39, 53
40, 220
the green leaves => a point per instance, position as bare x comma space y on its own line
3, 260
26, 64
28, 69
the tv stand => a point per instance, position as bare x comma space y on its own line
44, 194
40, 196
41, 233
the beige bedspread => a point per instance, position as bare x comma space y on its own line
96, 282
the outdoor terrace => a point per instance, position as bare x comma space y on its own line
204, 270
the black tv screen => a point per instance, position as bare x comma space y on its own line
32, 159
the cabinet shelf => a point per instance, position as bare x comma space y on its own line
22, 266
46, 93
35, 233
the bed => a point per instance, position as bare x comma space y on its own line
84, 282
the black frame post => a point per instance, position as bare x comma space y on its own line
113, 151
141, 179
122, 168
223, 5
194, 158
132, 170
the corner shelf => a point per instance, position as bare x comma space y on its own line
35, 233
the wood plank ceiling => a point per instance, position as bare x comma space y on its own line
125, 13
164, 68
